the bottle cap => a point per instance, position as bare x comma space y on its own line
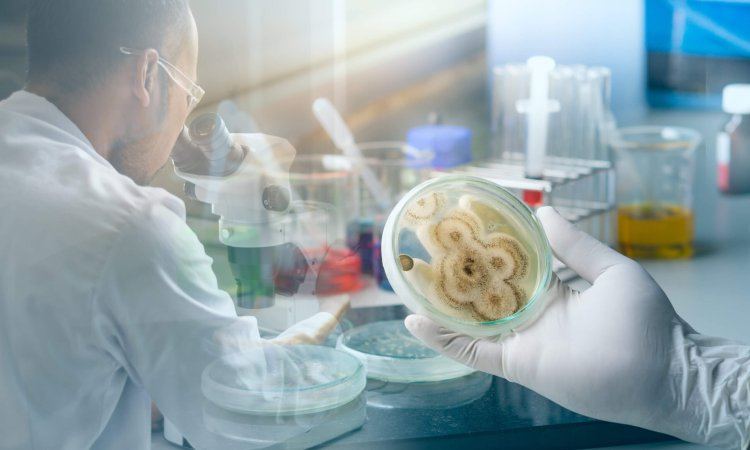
736, 99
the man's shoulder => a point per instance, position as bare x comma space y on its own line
56, 184
129, 208
62, 185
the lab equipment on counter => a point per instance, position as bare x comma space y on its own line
283, 380
377, 253
231, 173
296, 432
655, 168
523, 95
537, 108
390, 353
570, 169
341, 135
402, 372
291, 397
468, 254
398, 167
431, 395
326, 190
733, 141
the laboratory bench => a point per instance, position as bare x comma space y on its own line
505, 415
708, 290
509, 416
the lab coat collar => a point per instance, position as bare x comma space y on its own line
38, 107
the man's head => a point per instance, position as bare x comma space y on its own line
131, 104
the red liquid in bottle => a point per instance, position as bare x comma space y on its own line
340, 270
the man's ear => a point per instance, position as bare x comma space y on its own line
145, 79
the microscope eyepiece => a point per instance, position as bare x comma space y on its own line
206, 148
211, 135
205, 125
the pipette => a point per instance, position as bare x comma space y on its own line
537, 107
342, 137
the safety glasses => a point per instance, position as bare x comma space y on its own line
194, 92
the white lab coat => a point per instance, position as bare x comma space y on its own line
106, 296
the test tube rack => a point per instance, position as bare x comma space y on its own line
581, 190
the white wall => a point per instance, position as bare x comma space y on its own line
274, 57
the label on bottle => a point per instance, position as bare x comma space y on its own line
723, 154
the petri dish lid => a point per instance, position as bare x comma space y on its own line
300, 431
469, 254
445, 394
283, 380
390, 353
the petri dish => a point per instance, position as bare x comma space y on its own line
390, 353
432, 395
283, 380
300, 431
467, 253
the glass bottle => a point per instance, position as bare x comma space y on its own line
733, 141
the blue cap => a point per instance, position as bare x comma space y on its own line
450, 144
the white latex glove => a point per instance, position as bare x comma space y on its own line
616, 352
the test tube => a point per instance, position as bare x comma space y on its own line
516, 86
605, 125
562, 88
498, 111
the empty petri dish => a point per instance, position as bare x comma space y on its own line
390, 353
468, 254
299, 431
283, 380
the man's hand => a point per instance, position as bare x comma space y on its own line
617, 351
317, 328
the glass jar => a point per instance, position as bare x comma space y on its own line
397, 167
733, 141
468, 254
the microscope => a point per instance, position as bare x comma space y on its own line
245, 179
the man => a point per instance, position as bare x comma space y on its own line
107, 299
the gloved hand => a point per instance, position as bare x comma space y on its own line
617, 351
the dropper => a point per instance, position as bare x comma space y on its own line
342, 137
537, 107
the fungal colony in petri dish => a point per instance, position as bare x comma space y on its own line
467, 257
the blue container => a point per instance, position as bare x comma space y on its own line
451, 145
695, 48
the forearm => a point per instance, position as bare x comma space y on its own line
713, 392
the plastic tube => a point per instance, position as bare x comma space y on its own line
342, 137
537, 107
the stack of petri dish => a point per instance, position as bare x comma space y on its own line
295, 396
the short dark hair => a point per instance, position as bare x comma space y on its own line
74, 44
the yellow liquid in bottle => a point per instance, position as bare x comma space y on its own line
655, 231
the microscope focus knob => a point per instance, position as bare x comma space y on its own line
276, 198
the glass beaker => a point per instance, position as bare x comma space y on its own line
324, 191
398, 167
655, 169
